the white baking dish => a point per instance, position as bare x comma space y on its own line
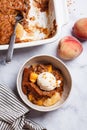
57, 11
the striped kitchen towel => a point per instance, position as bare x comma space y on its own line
12, 113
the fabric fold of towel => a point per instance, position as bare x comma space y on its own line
12, 113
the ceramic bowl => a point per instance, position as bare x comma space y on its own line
56, 63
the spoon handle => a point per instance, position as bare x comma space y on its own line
11, 45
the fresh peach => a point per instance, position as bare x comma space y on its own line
69, 48
80, 29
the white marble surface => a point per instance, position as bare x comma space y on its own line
73, 115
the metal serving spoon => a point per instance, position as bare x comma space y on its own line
9, 55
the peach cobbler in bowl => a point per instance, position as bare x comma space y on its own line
44, 83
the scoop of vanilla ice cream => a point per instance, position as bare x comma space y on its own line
46, 81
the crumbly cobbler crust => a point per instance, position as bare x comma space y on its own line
8, 10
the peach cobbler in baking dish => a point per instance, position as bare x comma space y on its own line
42, 84
38, 21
